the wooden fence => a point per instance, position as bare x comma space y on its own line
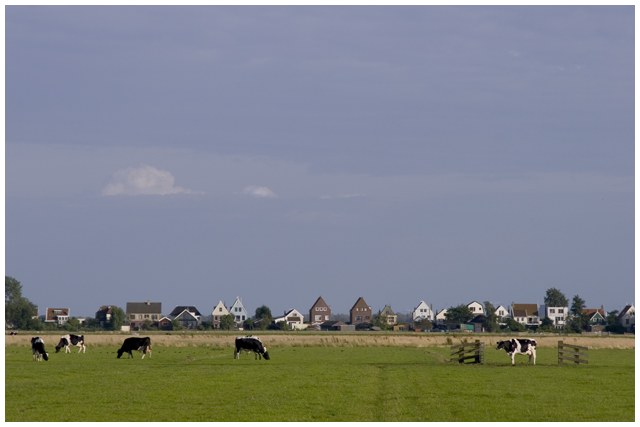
467, 351
573, 354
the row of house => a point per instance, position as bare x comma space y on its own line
530, 315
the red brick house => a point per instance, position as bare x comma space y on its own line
360, 312
319, 312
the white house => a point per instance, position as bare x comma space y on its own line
423, 311
558, 315
476, 308
627, 318
238, 311
294, 319
218, 311
440, 316
527, 314
502, 312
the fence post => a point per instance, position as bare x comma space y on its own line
560, 348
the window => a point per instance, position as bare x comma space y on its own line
139, 316
146, 316
154, 316
215, 317
560, 310
219, 308
552, 310
242, 317
326, 317
318, 317
358, 318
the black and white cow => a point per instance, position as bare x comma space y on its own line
251, 343
37, 347
135, 343
67, 340
519, 346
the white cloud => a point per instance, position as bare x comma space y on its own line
143, 180
253, 190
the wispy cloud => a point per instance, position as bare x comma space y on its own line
142, 181
256, 191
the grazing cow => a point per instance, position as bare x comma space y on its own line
37, 347
519, 346
135, 343
67, 340
253, 344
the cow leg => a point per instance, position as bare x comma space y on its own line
236, 354
513, 356
130, 355
67, 350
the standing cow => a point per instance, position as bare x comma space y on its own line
135, 343
67, 340
519, 346
37, 348
253, 344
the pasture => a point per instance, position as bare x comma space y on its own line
314, 383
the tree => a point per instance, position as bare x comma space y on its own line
117, 319
146, 325
513, 325
423, 324
227, 322
547, 324
578, 320
612, 323
19, 312
555, 298
72, 324
176, 325
264, 317
459, 314
490, 324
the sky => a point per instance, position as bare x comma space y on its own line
189, 155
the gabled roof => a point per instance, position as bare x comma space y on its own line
480, 318
592, 312
625, 310
390, 313
144, 307
185, 314
320, 301
421, 303
473, 302
51, 315
531, 309
332, 323
360, 303
180, 308
519, 313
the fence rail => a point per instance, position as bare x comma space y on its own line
468, 351
573, 354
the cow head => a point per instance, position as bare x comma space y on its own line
120, 351
62, 344
266, 354
502, 344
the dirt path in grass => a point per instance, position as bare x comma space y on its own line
297, 339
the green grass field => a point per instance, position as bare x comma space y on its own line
315, 384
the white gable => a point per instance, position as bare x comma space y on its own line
501, 311
238, 311
476, 308
423, 311
219, 310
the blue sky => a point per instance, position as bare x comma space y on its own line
194, 154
